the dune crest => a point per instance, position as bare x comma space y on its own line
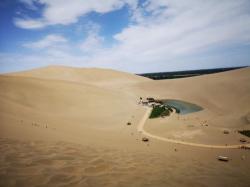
96, 76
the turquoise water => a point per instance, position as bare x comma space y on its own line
182, 106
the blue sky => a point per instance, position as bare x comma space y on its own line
127, 35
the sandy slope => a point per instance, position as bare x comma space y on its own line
225, 98
37, 163
80, 110
220, 94
141, 129
94, 76
68, 126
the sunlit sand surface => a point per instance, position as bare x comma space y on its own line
37, 163
65, 126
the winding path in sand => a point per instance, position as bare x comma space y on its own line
140, 128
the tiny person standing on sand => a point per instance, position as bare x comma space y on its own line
140, 100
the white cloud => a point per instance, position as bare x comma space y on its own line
169, 31
207, 21
29, 23
47, 42
29, 4
185, 28
93, 43
65, 12
164, 34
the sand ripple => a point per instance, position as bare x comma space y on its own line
64, 164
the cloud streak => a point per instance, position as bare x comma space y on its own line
49, 41
66, 12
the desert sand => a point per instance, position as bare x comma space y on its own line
63, 126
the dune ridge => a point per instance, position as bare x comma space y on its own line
94, 76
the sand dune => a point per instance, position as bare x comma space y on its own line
96, 76
79, 110
65, 126
221, 92
224, 96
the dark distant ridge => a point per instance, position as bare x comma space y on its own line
188, 73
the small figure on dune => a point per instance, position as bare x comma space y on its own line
144, 139
140, 100
243, 140
223, 158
